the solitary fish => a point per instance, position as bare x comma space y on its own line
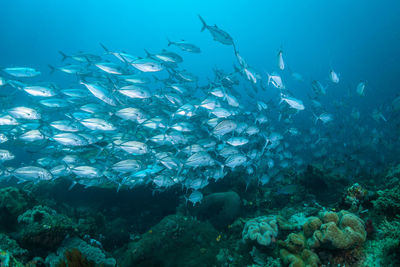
333, 76
361, 89
281, 63
219, 35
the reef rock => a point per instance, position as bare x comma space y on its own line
175, 241
262, 229
13, 202
42, 228
10, 245
388, 201
221, 209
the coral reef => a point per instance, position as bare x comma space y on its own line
385, 248
335, 237
263, 229
355, 197
220, 209
43, 229
6, 243
74, 257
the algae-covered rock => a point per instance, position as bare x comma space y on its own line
221, 209
388, 201
175, 241
13, 202
42, 228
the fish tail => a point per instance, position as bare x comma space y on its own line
204, 24
169, 42
64, 56
147, 53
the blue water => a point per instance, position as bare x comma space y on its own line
359, 39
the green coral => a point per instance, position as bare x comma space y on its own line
388, 201
6, 243
385, 248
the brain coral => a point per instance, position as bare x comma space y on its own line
261, 229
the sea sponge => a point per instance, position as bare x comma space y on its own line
348, 232
262, 229
329, 216
312, 224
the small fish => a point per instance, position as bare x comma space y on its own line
42, 91
195, 197
147, 65
275, 80
293, 102
185, 46
6, 155
25, 113
32, 174
361, 89
324, 117
281, 63
22, 72
333, 76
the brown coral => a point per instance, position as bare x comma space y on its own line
306, 258
312, 224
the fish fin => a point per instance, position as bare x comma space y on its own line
72, 185
147, 53
169, 42
52, 69
105, 48
204, 23
64, 56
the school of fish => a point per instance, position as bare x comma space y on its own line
122, 125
